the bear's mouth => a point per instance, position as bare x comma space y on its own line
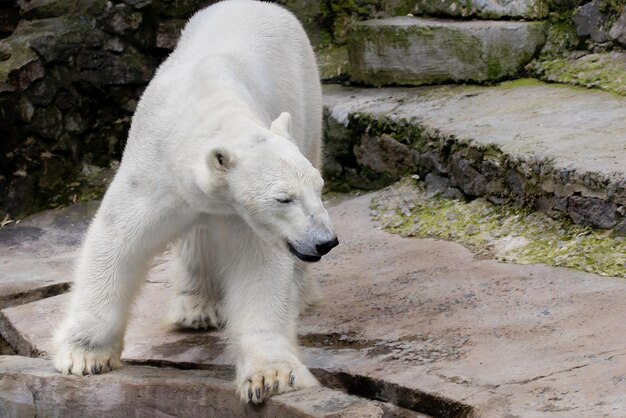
303, 257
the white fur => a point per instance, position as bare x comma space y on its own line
222, 153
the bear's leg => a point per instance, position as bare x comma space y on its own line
310, 294
261, 304
198, 293
127, 231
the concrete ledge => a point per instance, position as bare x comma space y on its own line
557, 149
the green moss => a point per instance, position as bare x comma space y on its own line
17, 54
338, 17
332, 61
520, 82
605, 71
503, 232
561, 38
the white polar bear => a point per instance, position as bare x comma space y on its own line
222, 153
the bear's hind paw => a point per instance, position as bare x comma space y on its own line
192, 312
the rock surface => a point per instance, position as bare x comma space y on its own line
416, 51
31, 387
422, 324
485, 9
37, 255
590, 22
618, 30
524, 141
603, 71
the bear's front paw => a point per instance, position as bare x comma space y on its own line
192, 311
80, 361
262, 382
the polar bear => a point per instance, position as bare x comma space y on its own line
222, 155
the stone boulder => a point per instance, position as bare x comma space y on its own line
415, 51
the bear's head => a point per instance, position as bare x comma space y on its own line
277, 191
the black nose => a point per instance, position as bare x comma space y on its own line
327, 246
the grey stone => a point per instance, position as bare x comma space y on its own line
436, 185
168, 33
122, 19
618, 30
590, 22
47, 122
43, 9
429, 161
129, 67
25, 109
453, 193
592, 211
418, 51
518, 183
550, 204
75, 122
385, 154
337, 151
485, 9
466, 177
43, 91
22, 69
138, 4
114, 44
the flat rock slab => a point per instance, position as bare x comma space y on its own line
37, 255
417, 51
422, 324
571, 127
31, 387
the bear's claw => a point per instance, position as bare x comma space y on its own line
81, 362
258, 387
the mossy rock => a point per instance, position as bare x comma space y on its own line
415, 51
605, 71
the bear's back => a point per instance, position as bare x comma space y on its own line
231, 24
261, 46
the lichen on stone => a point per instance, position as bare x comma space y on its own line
504, 232
606, 71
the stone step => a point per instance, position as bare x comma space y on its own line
559, 149
418, 51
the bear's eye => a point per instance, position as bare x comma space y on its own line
284, 199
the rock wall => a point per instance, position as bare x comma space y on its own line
70, 77
71, 73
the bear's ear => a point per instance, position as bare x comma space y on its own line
220, 159
282, 125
